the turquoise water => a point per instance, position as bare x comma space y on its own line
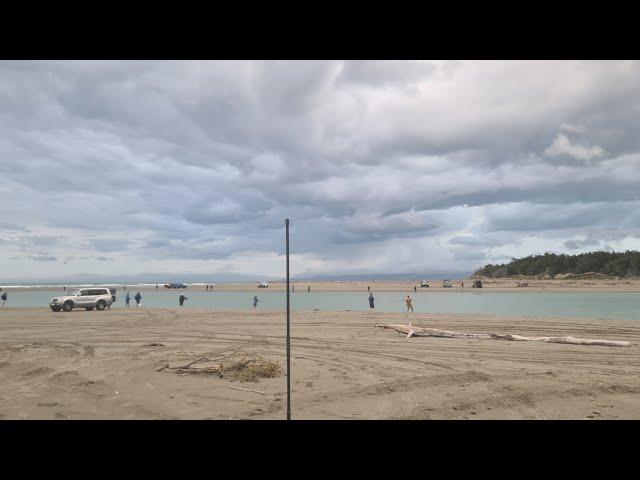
623, 306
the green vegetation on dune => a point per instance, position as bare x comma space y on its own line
614, 264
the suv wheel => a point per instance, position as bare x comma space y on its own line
101, 305
67, 306
55, 309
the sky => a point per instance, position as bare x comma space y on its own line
157, 167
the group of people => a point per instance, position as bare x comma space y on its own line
372, 306
138, 299
127, 299
209, 287
293, 288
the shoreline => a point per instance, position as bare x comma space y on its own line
489, 285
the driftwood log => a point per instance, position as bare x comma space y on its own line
196, 367
412, 331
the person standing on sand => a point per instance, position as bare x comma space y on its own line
368, 289
415, 289
138, 298
462, 284
409, 303
293, 288
4, 299
181, 299
255, 302
309, 289
371, 304
127, 299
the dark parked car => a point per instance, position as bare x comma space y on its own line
477, 284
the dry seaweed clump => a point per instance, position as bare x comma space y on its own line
236, 366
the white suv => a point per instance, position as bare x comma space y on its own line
89, 298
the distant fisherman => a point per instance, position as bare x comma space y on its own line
309, 289
182, 299
138, 298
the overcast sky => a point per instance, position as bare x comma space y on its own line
387, 167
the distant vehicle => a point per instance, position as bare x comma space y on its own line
424, 284
88, 298
263, 285
477, 284
175, 285
447, 284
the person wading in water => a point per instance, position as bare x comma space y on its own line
181, 299
409, 304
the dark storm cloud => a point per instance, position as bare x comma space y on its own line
203, 160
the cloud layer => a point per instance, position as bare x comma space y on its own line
129, 167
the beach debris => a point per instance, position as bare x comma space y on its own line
237, 365
411, 331
154, 344
247, 390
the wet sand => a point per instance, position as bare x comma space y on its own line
99, 365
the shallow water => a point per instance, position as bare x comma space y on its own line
623, 306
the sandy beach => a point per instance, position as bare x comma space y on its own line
103, 365
494, 285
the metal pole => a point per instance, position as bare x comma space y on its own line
286, 222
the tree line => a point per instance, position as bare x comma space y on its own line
617, 264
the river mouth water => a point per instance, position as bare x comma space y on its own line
603, 305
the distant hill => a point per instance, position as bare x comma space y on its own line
600, 263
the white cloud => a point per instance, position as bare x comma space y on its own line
563, 146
